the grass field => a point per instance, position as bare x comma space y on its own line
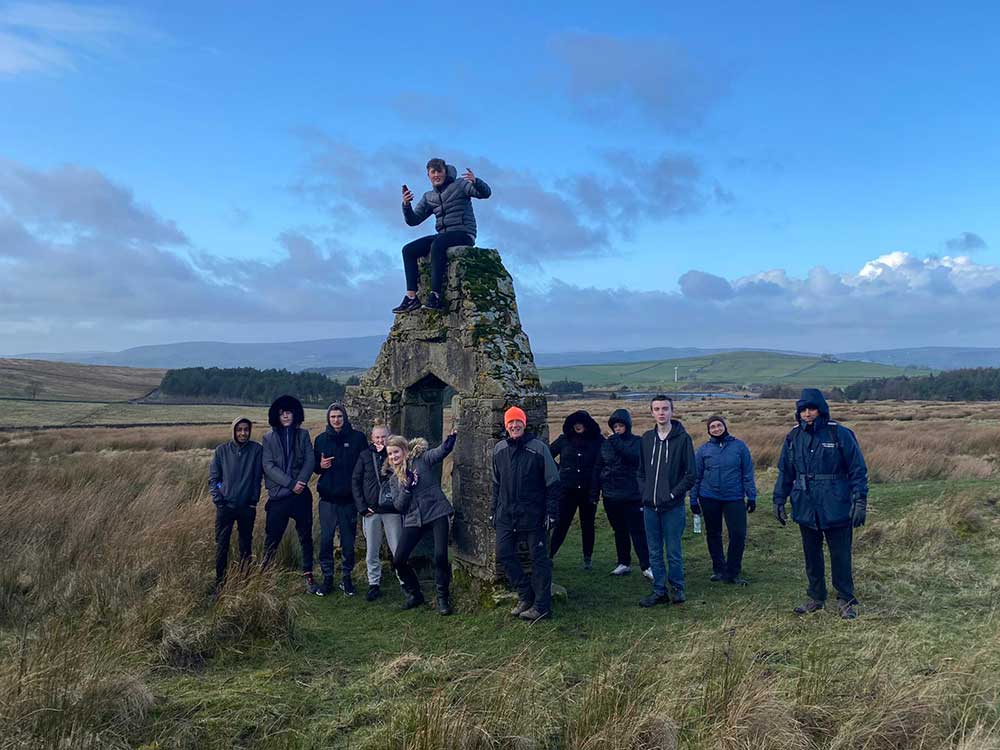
730, 368
111, 639
30, 378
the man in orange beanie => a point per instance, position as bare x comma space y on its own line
525, 506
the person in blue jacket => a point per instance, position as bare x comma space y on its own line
822, 469
723, 478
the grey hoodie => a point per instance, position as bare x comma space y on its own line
451, 204
235, 472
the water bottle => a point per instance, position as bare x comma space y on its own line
697, 524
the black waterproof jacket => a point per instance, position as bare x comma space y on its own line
577, 454
451, 204
367, 481
821, 467
666, 467
235, 472
287, 455
614, 473
526, 485
344, 447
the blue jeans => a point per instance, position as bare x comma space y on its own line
664, 528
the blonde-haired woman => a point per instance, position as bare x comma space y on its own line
415, 492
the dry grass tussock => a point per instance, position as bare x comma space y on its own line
105, 574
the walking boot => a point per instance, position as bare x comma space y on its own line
521, 606
533, 614
653, 599
808, 607
443, 602
374, 592
414, 599
847, 610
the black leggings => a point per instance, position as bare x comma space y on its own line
570, 501
437, 245
630, 529
407, 543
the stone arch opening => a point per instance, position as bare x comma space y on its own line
422, 411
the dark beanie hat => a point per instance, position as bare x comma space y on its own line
716, 418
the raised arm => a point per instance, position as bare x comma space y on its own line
436, 455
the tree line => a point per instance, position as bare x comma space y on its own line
250, 385
972, 384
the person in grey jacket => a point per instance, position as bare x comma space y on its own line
234, 484
723, 478
417, 494
288, 462
450, 200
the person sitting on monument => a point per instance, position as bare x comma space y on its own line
415, 492
450, 200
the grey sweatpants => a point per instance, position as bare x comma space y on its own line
391, 526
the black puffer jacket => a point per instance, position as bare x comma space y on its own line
335, 483
614, 474
451, 204
367, 480
577, 453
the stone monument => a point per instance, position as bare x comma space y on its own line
473, 358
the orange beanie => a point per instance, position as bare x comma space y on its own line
513, 413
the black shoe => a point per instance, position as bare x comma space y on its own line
444, 605
409, 304
847, 609
413, 600
433, 301
737, 581
653, 599
347, 586
677, 597
521, 606
313, 588
716, 577
374, 592
588, 564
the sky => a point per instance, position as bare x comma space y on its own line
808, 176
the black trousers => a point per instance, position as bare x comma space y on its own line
571, 500
536, 588
331, 517
408, 542
437, 245
627, 521
225, 517
734, 513
840, 542
279, 513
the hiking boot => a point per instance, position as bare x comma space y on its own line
653, 599
409, 304
521, 606
716, 577
533, 614
588, 564
433, 301
808, 607
648, 572
737, 581
677, 597
847, 610
444, 604
347, 586
374, 592
621, 570
413, 600
312, 587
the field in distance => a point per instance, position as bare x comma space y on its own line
37, 379
728, 368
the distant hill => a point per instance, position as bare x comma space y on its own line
64, 381
357, 352
933, 357
726, 368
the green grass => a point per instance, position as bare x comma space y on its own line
28, 413
730, 368
356, 665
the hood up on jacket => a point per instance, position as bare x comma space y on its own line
237, 421
343, 410
812, 397
450, 175
285, 403
621, 415
591, 430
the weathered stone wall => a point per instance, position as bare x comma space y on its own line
475, 349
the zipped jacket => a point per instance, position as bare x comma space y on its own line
526, 486
614, 473
666, 467
451, 204
723, 471
367, 481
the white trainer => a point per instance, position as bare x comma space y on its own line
621, 570
648, 572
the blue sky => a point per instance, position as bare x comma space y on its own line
762, 175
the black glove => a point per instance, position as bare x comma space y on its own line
779, 513
411, 479
859, 511
751, 506
696, 509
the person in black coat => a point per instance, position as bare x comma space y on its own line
576, 451
614, 478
